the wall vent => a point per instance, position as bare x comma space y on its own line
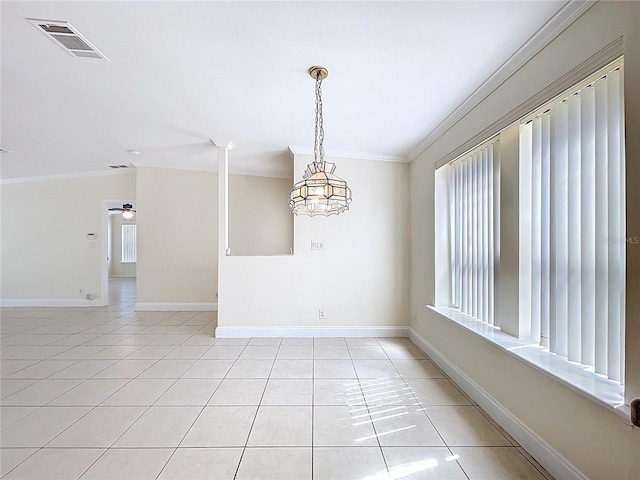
118, 166
68, 38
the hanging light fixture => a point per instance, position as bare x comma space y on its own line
320, 192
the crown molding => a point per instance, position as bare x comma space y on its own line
569, 80
348, 154
220, 144
256, 173
540, 39
63, 176
233, 170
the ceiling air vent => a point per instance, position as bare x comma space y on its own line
118, 166
67, 37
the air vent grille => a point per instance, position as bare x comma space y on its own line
118, 166
56, 29
72, 42
67, 37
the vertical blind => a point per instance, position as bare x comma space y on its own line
577, 216
473, 237
129, 243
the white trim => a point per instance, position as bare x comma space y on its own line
123, 276
246, 332
555, 463
597, 61
176, 307
347, 154
540, 39
489, 141
104, 249
592, 387
28, 302
602, 72
229, 145
248, 172
105, 204
63, 176
234, 169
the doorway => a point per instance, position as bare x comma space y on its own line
119, 253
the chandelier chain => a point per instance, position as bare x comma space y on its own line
318, 148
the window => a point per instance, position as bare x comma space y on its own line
129, 243
554, 185
572, 157
472, 251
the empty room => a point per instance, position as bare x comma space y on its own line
347, 240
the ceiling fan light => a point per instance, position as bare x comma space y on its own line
127, 214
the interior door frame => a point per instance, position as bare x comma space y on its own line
105, 204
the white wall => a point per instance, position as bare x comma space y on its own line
260, 221
595, 440
46, 256
45, 252
177, 237
360, 279
116, 267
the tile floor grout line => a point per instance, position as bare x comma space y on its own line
97, 406
535, 465
194, 420
36, 451
373, 425
93, 463
418, 402
246, 443
135, 327
494, 424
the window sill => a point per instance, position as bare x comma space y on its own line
578, 378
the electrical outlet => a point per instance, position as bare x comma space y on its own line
321, 314
80, 291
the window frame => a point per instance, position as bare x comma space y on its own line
518, 344
125, 250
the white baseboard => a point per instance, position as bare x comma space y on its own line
556, 464
176, 307
52, 303
245, 332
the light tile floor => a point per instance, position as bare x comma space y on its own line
109, 393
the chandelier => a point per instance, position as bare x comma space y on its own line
320, 192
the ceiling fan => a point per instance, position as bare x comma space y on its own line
127, 210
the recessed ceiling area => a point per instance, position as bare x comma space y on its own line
181, 74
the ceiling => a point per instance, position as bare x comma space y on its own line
182, 73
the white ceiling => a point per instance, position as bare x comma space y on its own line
182, 73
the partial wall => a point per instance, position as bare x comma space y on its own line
359, 279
